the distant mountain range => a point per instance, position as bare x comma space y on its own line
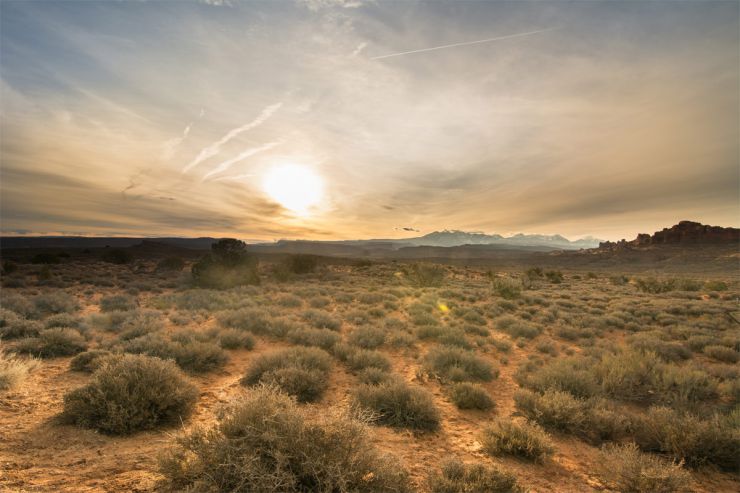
436, 239
449, 238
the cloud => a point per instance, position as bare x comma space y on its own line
225, 165
466, 43
316, 5
359, 48
213, 149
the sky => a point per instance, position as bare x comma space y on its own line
344, 119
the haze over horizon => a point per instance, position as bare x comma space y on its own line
351, 119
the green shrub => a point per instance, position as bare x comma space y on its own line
624, 468
289, 301
192, 356
131, 393
508, 288
457, 365
321, 320
139, 323
302, 372
52, 343
117, 302
17, 328
554, 276
716, 286
322, 338
722, 353
235, 339
89, 361
425, 275
517, 328
399, 405
18, 304
466, 395
685, 437
523, 440
228, 265
265, 442
358, 359
457, 477
367, 337
251, 319
56, 302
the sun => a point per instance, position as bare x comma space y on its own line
295, 187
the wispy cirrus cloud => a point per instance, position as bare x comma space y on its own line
213, 149
225, 165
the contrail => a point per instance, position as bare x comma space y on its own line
244, 155
467, 43
213, 149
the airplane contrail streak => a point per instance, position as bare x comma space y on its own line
466, 43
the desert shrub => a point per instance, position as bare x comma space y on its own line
18, 304
56, 302
64, 320
424, 275
546, 347
89, 361
192, 356
624, 468
302, 372
358, 359
517, 328
508, 288
716, 286
534, 273
319, 302
454, 337
367, 337
457, 477
131, 393
374, 376
321, 320
686, 437
265, 442
457, 365
722, 353
116, 256
289, 301
398, 338
17, 328
573, 375
13, 370
51, 343
235, 339
117, 302
466, 395
523, 440
429, 331
140, 322
594, 420
301, 264
554, 276
307, 336
45, 258
171, 264
199, 357
228, 265
667, 351
399, 405
251, 319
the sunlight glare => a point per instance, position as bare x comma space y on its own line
295, 187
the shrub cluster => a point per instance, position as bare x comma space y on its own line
228, 265
397, 404
625, 468
301, 372
51, 343
265, 442
458, 365
466, 395
457, 477
523, 440
131, 393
